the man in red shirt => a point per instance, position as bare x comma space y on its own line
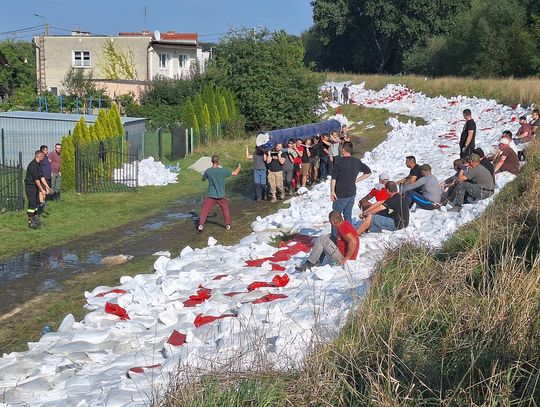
379, 193
342, 250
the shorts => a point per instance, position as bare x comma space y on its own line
305, 169
314, 162
32, 195
380, 223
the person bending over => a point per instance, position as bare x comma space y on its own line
425, 192
341, 250
392, 214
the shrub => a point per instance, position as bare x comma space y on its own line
267, 74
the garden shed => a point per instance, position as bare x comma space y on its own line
27, 131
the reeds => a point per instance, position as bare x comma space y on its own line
456, 327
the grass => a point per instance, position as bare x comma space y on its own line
456, 327
508, 91
79, 215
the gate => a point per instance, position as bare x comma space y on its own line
11, 185
106, 166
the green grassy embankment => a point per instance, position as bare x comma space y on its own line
455, 327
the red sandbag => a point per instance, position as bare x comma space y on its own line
201, 296
277, 267
115, 309
220, 277
259, 284
177, 339
269, 297
277, 281
201, 320
115, 291
140, 369
257, 262
232, 294
443, 146
281, 281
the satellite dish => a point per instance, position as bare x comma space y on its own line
157, 35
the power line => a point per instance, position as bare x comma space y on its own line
23, 30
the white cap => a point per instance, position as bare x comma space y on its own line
504, 141
384, 175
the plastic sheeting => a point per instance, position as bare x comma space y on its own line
270, 139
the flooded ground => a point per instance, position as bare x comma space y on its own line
30, 274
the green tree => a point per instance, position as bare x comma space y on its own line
198, 106
490, 39
374, 35
267, 73
231, 104
117, 64
116, 120
206, 123
189, 118
19, 71
209, 98
222, 105
85, 132
67, 165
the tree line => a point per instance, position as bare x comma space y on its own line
429, 37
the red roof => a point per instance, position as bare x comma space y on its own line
165, 36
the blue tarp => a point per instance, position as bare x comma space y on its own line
301, 132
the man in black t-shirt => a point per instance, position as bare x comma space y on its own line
274, 161
344, 178
414, 174
484, 161
35, 184
392, 214
468, 135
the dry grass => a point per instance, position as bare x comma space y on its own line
505, 90
460, 327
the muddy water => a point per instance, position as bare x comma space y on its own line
34, 273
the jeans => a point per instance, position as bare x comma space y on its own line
324, 244
344, 206
380, 223
419, 199
474, 190
323, 167
260, 176
55, 182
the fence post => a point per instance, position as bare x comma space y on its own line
46, 105
160, 144
77, 104
39, 103
20, 200
61, 103
192, 148
136, 169
90, 105
77, 169
3, 148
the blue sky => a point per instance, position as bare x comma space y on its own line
111, 16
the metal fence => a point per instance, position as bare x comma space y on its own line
177, 142
106, 166
11, 185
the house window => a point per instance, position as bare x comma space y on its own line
164, 60
182, 60
81, 59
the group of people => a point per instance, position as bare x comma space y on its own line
343, 96
300, 163
387, 206
42, 182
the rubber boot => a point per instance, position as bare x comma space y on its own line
258, 192
264, 189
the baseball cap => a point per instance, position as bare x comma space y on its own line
523, 117
384, 175
504, 141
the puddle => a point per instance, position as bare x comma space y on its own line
30, 274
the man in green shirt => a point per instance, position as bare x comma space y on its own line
216, 191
